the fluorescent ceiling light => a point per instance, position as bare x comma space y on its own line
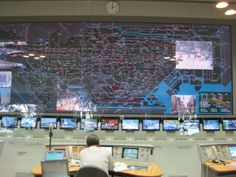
222, 4
230, 12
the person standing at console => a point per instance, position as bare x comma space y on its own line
96, 155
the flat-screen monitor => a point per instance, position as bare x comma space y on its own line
232, 151
211, 124
9, 122
68, 122
130, 153
28, 122
192, 126
130, 124
46, 122
170, 125
108, 148
89, 124
151, 124
109, 123
54, 155
229, 124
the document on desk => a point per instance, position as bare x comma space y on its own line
120, 166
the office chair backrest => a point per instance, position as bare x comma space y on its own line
55, 168
91, 171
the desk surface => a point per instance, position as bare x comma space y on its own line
153, 171
229, 167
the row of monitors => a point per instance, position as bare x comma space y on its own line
132, 124
127, 153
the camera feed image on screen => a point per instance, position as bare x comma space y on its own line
48, 122
191, 60
170, 125
151, 124
130, 153
68, 123
89, 124
109, 123
229, 124
232, 151
28, 122
211, 124
130, 124
10, 122
192, 126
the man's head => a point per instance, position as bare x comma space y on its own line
92, 140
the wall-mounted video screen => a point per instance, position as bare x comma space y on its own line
130, 124
150, 124
46, 122
211, 124
28, 122
229, 124
170, 124
68, 123
109, 123
192, 126
165, 69
215, 102
9, 122
89, 124
130, 153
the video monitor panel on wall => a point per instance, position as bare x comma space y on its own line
47, 122
68, 123
89, 124
109, 123
192, 126
151, 124
130, 124
165, 69
229, 124
9, 122
211, 124
28, 122
170, 124
130, 153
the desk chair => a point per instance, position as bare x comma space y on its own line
91, 171
55, 168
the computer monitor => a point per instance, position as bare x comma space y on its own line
109, 123
170, 124
151, 124
28, 122
46, 122
192, 126
68, 123
229, 124
54, 155
89, 124
130, 153
130, 124
9, 122
232, 151
211, 124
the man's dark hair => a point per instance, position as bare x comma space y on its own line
92, 140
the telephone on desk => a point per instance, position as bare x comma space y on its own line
218, 161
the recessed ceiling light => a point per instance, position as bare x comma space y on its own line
222, 4
230, 12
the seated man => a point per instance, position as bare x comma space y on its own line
96, 155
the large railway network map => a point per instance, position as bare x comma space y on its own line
121, 68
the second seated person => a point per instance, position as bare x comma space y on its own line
95, 155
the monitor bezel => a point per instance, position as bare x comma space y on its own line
68, 128
15, 117
124, 129
36, 122
123, 150
48, 117
81, 128
223, 128
169, 130
151, 129
203, 122
110, 118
